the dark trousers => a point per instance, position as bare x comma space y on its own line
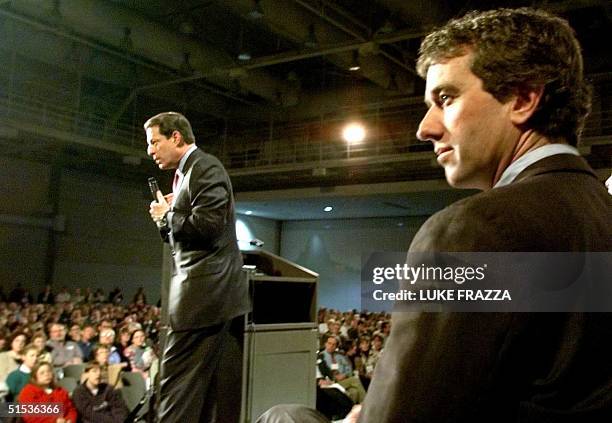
201, 374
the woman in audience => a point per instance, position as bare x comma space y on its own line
375, 353
11, 359
42, 390
140, 355
4, 335
363, 353
19, 378
350, 351
124, 340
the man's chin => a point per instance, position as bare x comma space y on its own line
459, 182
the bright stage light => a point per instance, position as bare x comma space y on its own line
353, 133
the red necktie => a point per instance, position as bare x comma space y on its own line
175, 181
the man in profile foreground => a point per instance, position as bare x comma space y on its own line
506, 101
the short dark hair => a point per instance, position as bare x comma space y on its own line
90, 365
517, 49
17, 334
379, 336
168, 122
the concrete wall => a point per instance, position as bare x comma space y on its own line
333, 248
24, 210
103, 236
252, 227
109, 239
106, 239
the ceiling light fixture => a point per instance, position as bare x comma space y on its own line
256, 12
328, 209
386, 28
186, 27
243, 54
186, 67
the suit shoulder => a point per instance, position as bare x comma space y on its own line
496, 220
203, 158
457, 227
549, 212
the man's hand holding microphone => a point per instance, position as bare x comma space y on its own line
160, 206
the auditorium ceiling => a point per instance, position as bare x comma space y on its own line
268, 85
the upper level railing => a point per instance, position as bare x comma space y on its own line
36, 112
391, 135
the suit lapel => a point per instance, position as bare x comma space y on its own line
185, 173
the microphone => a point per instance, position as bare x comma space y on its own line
256, 242
154, 187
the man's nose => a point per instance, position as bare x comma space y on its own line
149, 150
431, 127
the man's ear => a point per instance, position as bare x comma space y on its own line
177, 138
526, 103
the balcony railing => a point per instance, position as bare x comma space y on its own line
392, 138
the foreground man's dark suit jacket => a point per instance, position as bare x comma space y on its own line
207, 286
505, 367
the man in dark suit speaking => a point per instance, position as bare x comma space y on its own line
506, 102
202, 361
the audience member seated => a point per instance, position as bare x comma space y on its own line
98, 296
353, 331
74, 334
46, 296
19, 378
86, 343
64, 352
332, 402
10, 360
350, 351
96, 401
42, 389
110, 373
140, 355
361, 360
39, 340
78, 297
107, 338
63, 296
335, 367
376, 351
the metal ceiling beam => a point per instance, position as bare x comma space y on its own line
129, 58
354, 34
294, 22
105, 22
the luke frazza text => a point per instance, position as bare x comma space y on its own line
425, 295
427, 273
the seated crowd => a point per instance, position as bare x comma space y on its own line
72, 348
351, 344
41, 342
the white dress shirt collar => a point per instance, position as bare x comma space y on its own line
530, 158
